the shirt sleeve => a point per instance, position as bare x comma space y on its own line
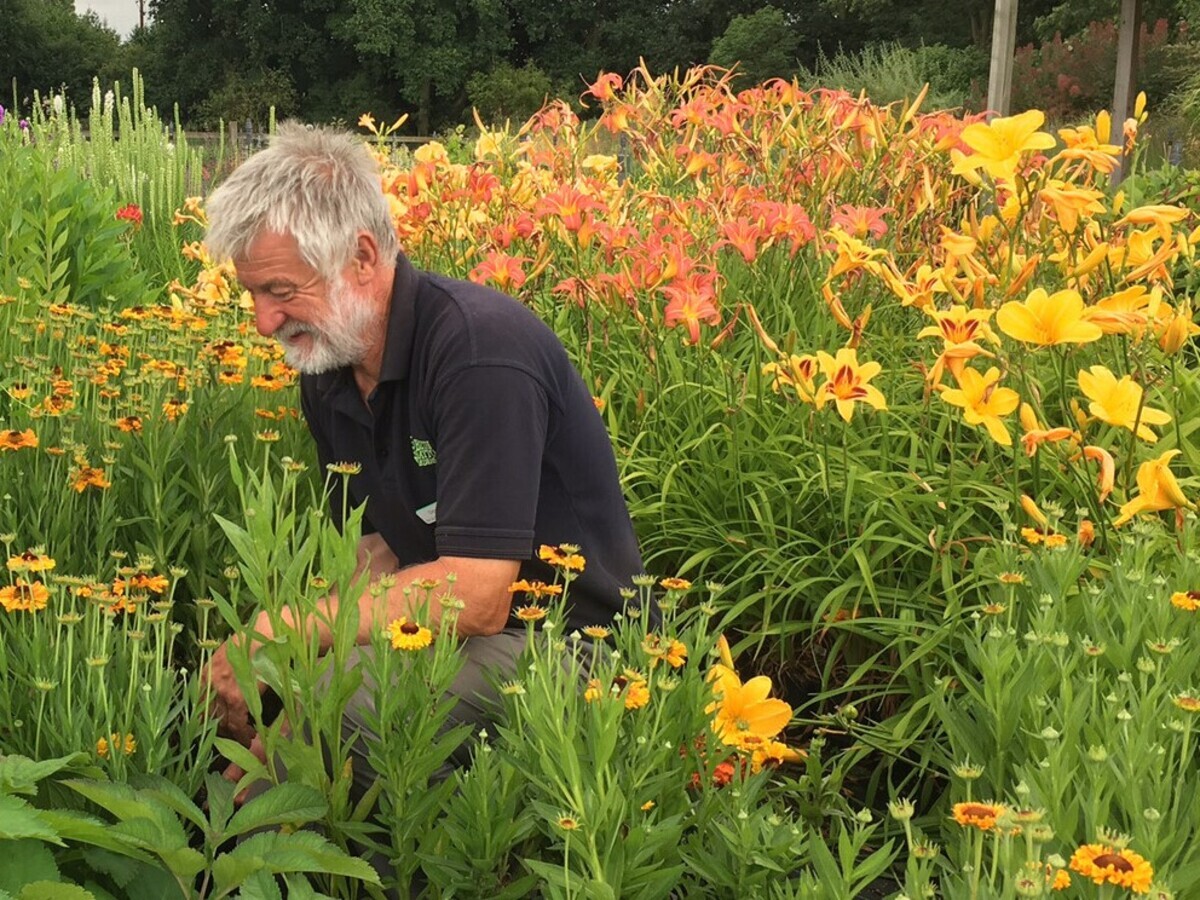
490, 423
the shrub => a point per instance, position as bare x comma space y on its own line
762, 45
892, 72
1071, 77
507, 92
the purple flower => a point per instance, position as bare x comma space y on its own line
23, 124
1, 115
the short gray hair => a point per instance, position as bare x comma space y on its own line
319, 185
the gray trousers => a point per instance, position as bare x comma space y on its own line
487, 661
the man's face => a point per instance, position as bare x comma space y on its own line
322, 324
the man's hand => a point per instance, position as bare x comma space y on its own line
226, 701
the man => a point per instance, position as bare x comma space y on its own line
477, 439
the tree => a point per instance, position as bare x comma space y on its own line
428, 48
48, 47
762, 45
509, 93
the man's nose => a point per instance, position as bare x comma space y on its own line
268, 316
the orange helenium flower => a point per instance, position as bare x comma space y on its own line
24, 596
11, 439
1113, 865
979, 815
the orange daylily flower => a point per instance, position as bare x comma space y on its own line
692, 301
504, 271
745, 710
1070, 204
1107, 469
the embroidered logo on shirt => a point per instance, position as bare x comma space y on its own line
423, 453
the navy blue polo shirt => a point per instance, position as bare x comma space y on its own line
481, 440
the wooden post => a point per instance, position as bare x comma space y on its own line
1125, 88
1004, 49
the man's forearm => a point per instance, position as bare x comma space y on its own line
480, 586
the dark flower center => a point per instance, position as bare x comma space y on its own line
1112, 861
410, 628
978, 811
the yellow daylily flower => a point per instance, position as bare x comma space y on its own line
744, 710
1091, 144
1121, 313
983, 402
795, 372
1176, 328
997, 146
1029, 505
1071, 203
1161, 216
1157, 489
846, 382
1119, 402
958, 325
1048, 319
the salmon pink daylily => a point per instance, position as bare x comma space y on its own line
692, 300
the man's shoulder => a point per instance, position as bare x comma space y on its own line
477, 323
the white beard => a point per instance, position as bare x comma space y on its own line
341, 340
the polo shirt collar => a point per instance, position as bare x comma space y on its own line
397, 348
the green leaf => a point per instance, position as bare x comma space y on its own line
305, 851
184, 862
283, 804
261, 886
20, 774
76, 826
220, 792
26, 861
54, 890
20, 820
170, 795
119, 799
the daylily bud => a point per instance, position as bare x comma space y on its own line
1031, 510
1028, 417
1107, 469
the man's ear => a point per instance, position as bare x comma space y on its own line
366, 261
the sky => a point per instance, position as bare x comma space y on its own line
121, 15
